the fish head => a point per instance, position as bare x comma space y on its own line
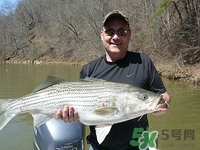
138, 102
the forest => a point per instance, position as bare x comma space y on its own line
69, 30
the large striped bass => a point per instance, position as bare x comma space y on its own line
97, 102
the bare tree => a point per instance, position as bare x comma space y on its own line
70, 29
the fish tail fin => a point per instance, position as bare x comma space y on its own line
5, 116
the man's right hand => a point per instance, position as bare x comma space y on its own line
67, 114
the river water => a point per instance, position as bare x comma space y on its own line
178, 129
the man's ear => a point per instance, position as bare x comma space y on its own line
130, 33
101, 37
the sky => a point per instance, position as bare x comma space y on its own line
9, 2
12, 1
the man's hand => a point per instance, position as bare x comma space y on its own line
167, 100
160, 111
67, 114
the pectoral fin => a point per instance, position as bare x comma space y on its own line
106, 111
102, 132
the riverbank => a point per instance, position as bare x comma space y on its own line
182, 73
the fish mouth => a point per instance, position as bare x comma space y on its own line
162, 103
159, 103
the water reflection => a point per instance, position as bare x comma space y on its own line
18, 79
175, 127
179, 128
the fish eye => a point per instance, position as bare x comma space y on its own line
143, 96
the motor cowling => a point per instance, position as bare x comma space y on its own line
58, 135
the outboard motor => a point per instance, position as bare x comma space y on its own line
57, 135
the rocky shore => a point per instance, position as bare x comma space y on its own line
184, 73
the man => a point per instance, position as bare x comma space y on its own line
120, 65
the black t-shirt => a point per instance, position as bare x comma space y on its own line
134, 69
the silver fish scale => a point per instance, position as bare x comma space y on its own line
76, 94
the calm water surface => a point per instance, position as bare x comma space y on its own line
179, 129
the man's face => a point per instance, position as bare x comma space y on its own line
116, 45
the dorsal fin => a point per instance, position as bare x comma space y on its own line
48, 81
89, 79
